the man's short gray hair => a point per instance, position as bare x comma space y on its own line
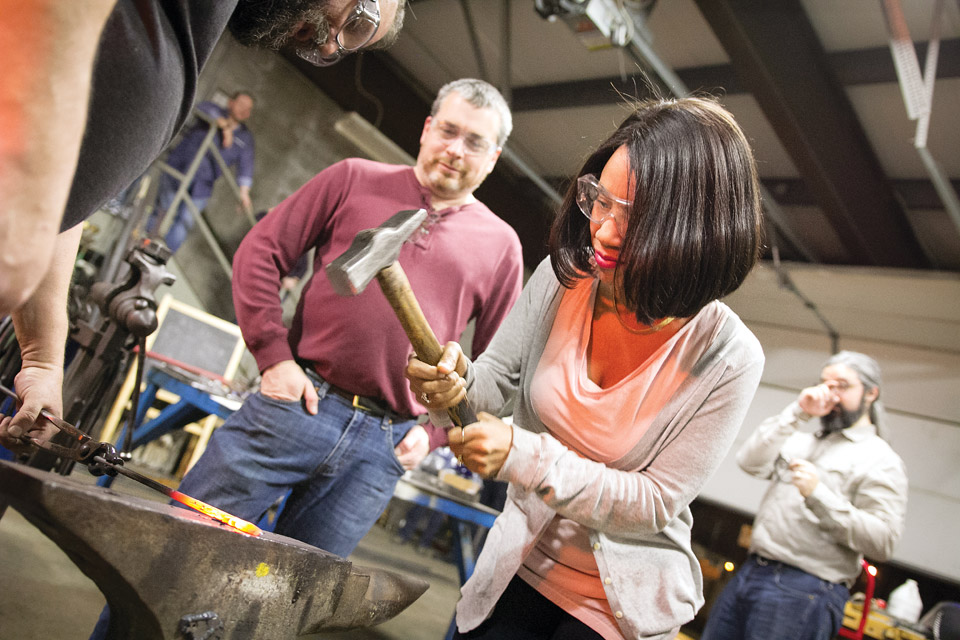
481, 95
868, 371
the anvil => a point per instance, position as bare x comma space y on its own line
167, 572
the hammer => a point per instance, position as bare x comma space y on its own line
373, 254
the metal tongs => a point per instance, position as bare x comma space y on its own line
99, 457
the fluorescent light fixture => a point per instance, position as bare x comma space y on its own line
370, 140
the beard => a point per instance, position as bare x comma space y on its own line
839, 419
271, 25
444, 181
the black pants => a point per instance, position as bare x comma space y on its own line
523, 614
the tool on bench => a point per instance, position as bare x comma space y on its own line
373, 254
102, 458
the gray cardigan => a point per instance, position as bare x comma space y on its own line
636, 507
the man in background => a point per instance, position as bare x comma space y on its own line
834, 496
233, 141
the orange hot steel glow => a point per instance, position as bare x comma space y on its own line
222, 516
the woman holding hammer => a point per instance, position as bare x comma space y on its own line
631, 380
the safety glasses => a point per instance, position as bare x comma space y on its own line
357, 31
598, 204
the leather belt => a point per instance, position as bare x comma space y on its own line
372, 406
769, 562
762, 561
765, 562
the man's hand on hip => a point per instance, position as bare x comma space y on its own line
287, 382
413, 448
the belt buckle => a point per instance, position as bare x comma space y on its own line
356, 405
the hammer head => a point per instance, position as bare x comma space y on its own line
371, 251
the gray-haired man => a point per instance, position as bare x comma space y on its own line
834, 496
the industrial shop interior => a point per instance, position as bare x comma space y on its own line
432, 319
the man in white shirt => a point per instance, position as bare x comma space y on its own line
834, 496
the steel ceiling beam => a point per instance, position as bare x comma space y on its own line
914, 193
851, 68
779, 58
474, 40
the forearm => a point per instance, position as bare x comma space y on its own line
256, 298
49, 47
644, 501
41, 322
245, 167
493, 379
613, 501
873, 523
632, 503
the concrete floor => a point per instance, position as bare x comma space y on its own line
43, 596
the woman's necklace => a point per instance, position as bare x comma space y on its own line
642, 332
612, 306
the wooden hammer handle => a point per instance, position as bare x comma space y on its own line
393, 281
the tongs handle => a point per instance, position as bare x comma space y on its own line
65, 426
85, 450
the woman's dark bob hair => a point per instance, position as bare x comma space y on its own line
694, 230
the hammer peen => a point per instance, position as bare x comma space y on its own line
373, 254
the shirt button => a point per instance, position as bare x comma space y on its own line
607, 580
618, 614
596, 546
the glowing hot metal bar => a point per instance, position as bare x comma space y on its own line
88, 450
237, 523
207, 509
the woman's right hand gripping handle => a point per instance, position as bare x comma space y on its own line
442, 386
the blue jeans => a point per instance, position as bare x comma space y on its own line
182, 222
768, 600
339, 466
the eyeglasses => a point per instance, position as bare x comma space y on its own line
473, 143
357, 31
598, 204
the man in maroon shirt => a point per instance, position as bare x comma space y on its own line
334, 420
